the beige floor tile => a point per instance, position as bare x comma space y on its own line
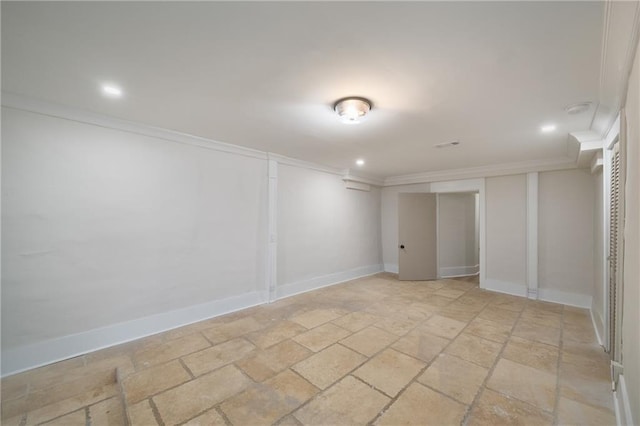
435, 302
510, 303
153, 380
583, 333
493, 409
589, 391
68, 389
348, 402
501, 316
14, 407
221, 332
142, 414
584, 367
289, 420
329, 365
389, 371
15, 421
421, 345
489, 330
265, 403
524, 383
316, 317
542, 317
188, 400
14, 386
78, 418
52, 373
356, 321
69, 405
534, 354
446, 291
369, 340
474, 349
576, 316
419, 405
591, 350
399, 324
209, 418
171, 350
458, 312
107, 413
537, 332
546, 306
321, 337
267, 363
455, 377
573, 413
217, 356
275, 334
442, 326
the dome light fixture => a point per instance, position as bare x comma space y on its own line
352, 109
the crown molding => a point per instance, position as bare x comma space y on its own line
348, 176
24, 103
483, 171
294, 162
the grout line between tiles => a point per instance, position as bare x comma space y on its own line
156, 412
483, 386
560, 347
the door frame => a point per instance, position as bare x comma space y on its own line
469, 185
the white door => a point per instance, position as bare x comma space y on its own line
417, 257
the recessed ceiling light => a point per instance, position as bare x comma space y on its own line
548, 128
352, 109
111, 91
360, 162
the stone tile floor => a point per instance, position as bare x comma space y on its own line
371, 351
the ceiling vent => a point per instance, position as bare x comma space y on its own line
447, 144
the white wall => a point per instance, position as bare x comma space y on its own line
457, 240
506, 233
598, 292
326, 233
631, 303
565, 234
389, 221
110, 235
102, 226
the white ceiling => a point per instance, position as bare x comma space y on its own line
265, 75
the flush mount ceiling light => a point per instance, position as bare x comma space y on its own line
360, 162
577, 108
352, 109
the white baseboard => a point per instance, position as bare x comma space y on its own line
598, 325
505, 287
566, 298
459, 271
35, 355
391, 267
292, 289
622, 405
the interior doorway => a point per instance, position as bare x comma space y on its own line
458, 240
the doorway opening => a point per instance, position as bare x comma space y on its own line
458, 239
